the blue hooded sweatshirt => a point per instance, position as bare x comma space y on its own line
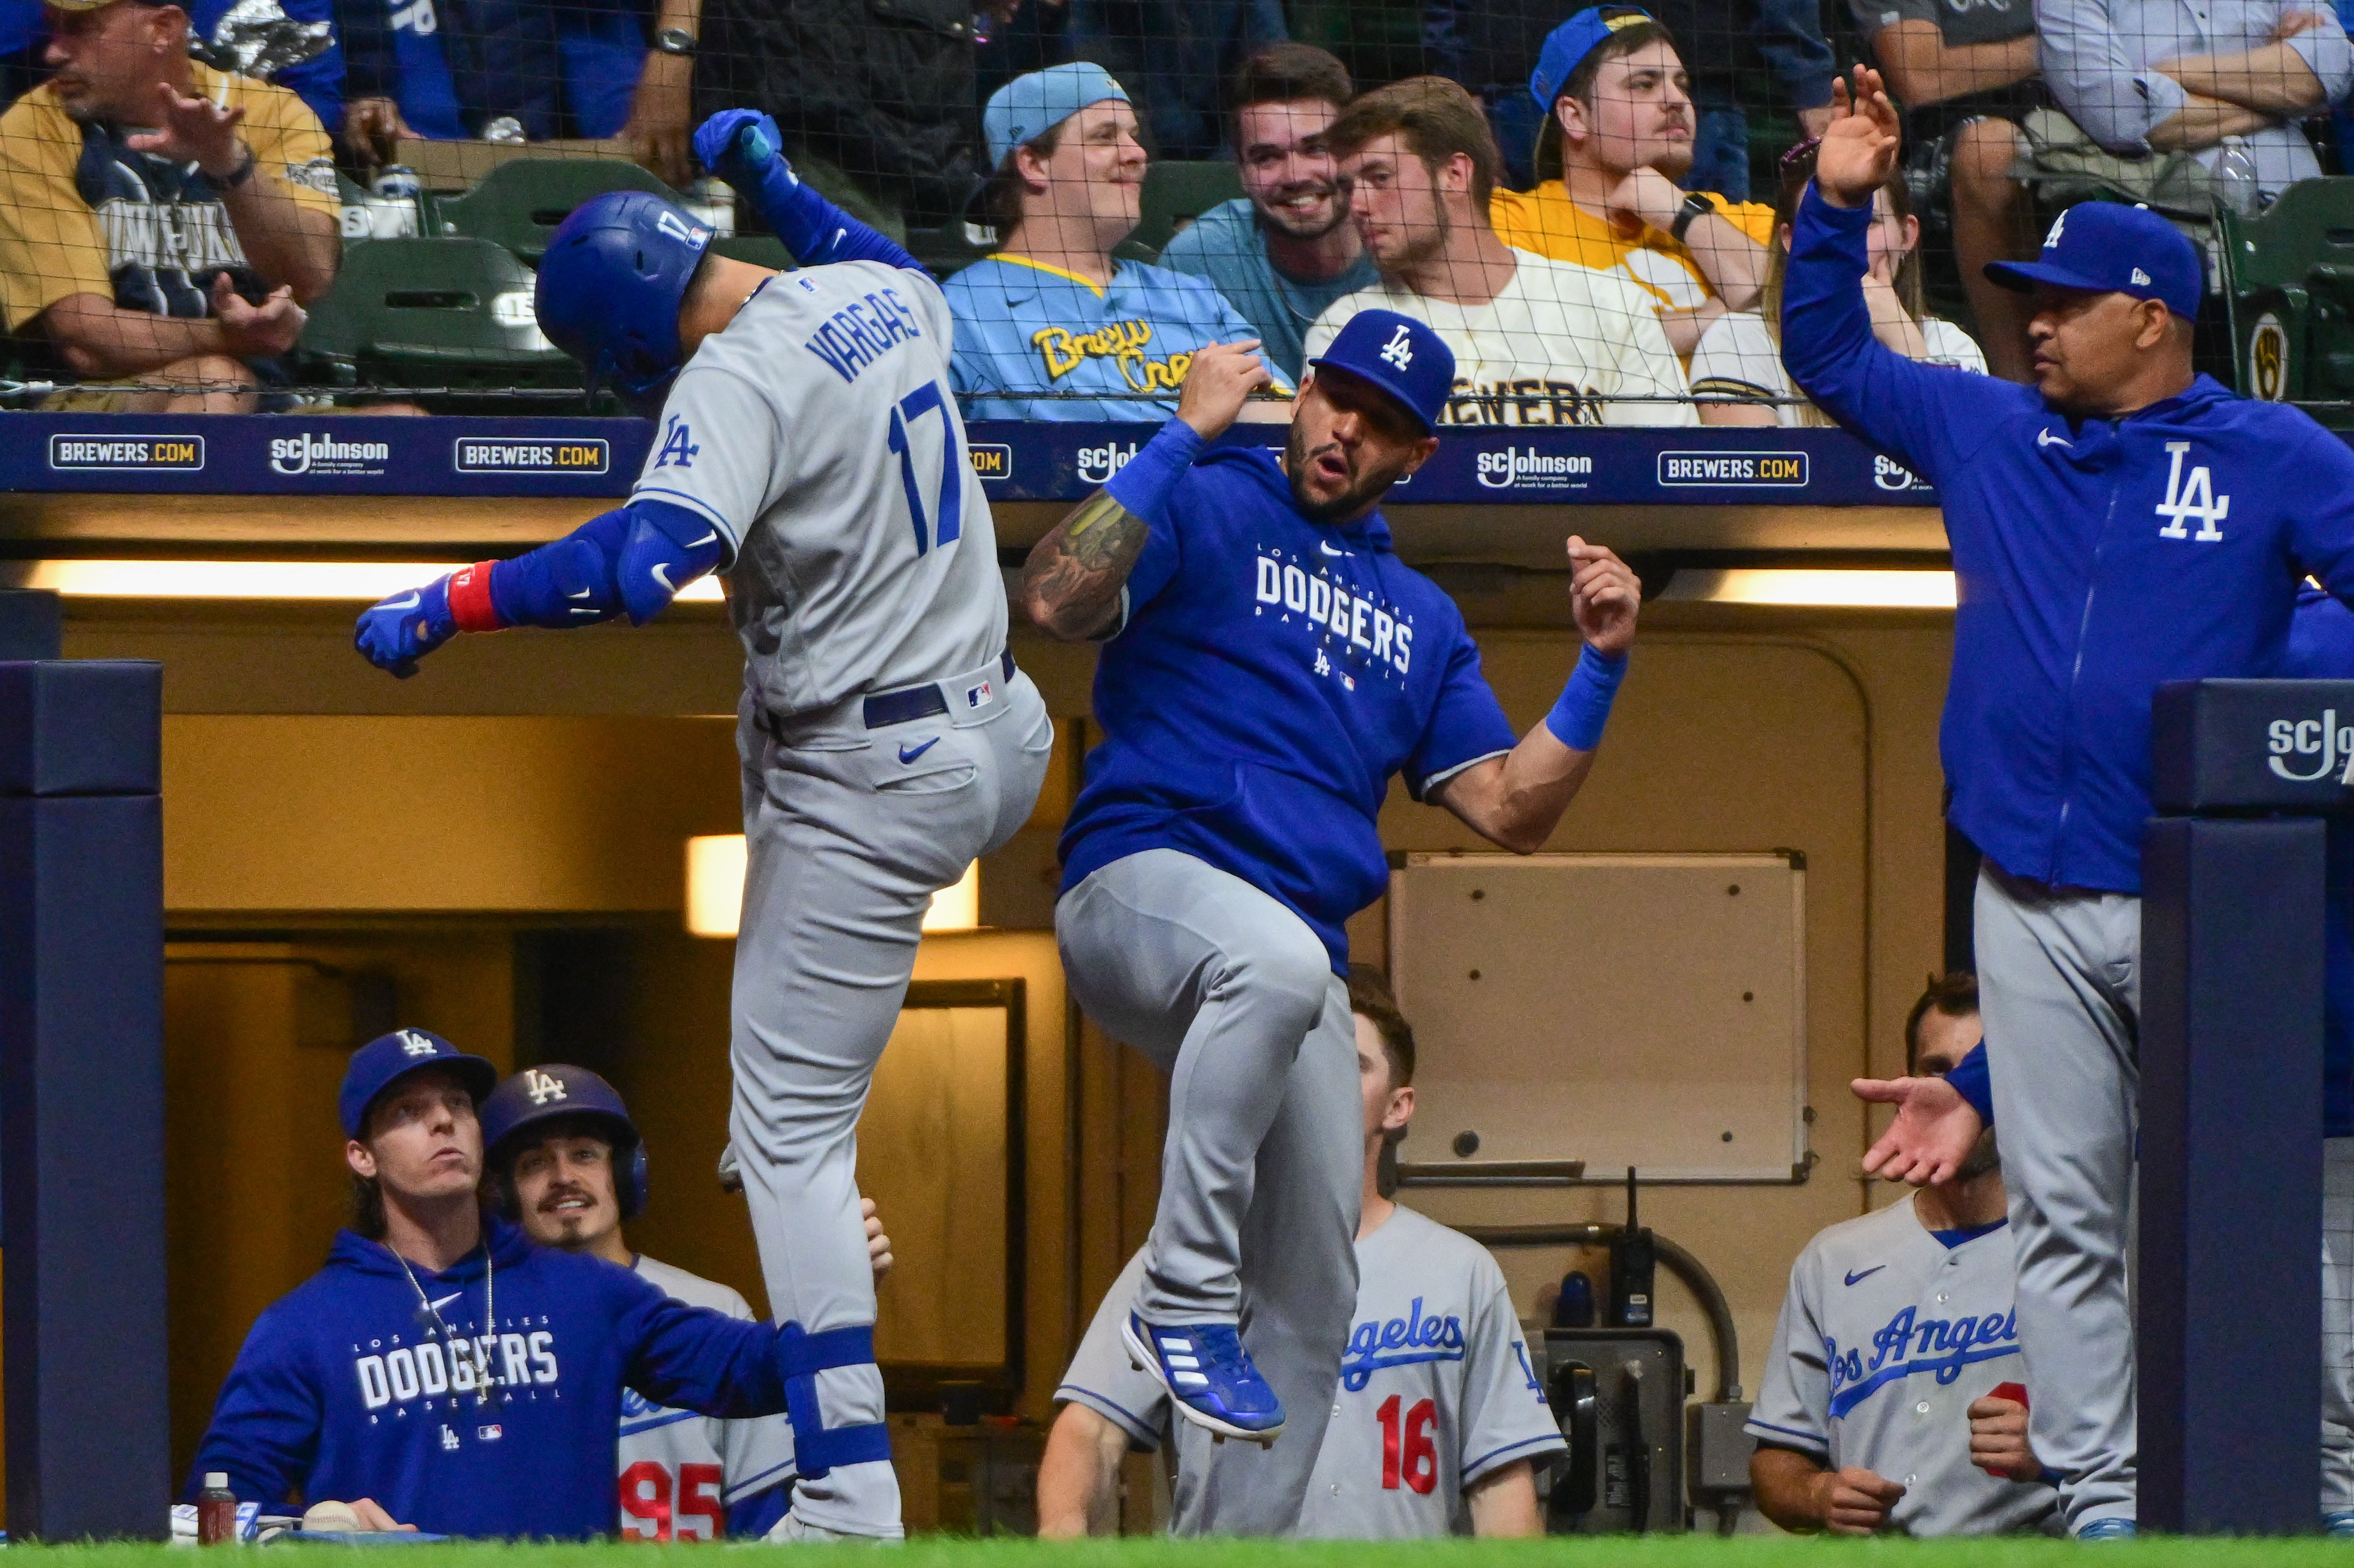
2096, 558
346, 1388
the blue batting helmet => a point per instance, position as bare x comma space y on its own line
539, 1095
609, 288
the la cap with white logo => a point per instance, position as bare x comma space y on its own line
388, 1058
2105, 246
1405, 358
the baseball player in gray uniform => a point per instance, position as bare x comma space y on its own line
1894, 1398
566, 1163
807, 444
1438, 1420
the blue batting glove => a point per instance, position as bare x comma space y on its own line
740, 145
397, 631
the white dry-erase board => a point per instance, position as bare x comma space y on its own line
1644, 1009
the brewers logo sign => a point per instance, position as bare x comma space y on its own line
2268, 360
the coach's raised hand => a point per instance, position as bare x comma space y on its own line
1219, 381
1859, 151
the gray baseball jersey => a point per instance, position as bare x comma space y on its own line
680, 1472
816, 435
1890, 1331
1436, 1390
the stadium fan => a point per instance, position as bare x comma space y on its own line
566, 1163
447, 70
1052, 326
1736, 371
1536, 342
441, 1373
161, 222
1617, 138
1893, 1397
1432, 1434
1285, 248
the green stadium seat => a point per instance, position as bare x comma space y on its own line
454, 314
2288, 278
520, 203
1176, 193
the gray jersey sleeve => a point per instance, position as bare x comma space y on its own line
1504, 1415
1102, 1378
716, 452
1793, 1402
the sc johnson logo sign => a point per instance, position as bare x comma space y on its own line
307, 453
2304, 750
72, 454
1526, 468
1762, 471
1097, 464
585, 455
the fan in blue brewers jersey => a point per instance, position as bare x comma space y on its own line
568, 1164
1438, 1421
444, 1374
1267, 666
1894, 1399
1052, 326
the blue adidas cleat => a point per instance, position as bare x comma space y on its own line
1209, 1377
2109, 1530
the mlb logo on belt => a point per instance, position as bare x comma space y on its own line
979, 697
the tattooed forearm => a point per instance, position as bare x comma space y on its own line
1070, 585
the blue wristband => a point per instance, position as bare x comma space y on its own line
1145, 485
1973, 1080
1577, 719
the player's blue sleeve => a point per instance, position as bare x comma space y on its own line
2321, 478
1909, 410
1152, 489
743, 148
265, 1428
630, 561
1972, 1079
693, 1357
755, 1516
1466, 725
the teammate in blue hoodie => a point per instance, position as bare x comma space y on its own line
441, 1369
2121, 523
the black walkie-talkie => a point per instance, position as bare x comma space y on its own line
1631, 1269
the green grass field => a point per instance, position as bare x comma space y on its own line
1660, 1551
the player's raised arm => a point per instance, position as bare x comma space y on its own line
743, 148
1072, 583
1517, 799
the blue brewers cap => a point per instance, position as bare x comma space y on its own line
2105, 246
1566, 47
1403, 356
1029, 106
386, 1060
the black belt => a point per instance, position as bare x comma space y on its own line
909, 703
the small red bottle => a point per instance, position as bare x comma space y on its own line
216, 1511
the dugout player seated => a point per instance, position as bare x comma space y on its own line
1267, 666
568, 1164
1052, 326
1439, 1419
442, 1372
1894, 1398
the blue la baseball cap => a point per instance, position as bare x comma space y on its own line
388, 1058
2106, 247
1403, 357
1029, 106
1566, 47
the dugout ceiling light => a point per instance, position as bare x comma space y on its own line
715, 891
1830, 589
358, 582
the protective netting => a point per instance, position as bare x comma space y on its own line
283, 204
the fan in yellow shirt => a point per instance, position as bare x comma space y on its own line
160, 221
1619, 131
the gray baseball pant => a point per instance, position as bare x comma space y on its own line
847, 845
1263, 1163
2060, 991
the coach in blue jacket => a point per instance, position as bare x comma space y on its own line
2121, 523
442, 1369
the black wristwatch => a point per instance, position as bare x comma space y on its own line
674, 41
244, 171
1696, 204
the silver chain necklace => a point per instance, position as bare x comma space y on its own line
484, 1379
